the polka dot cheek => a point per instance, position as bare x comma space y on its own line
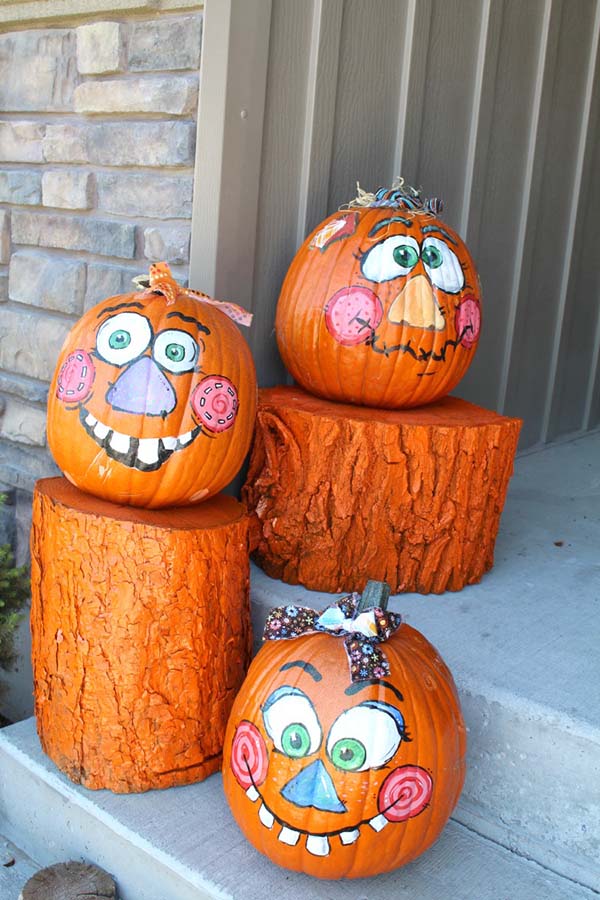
215, 403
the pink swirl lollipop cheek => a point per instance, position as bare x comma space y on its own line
249, 758
215, 403
76, 377
405, 793
352, 314
468, 321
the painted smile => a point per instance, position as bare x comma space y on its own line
318, 844
144, 454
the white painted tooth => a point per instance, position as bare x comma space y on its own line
288, 836
349, 837
379, 822
169, 443
317, 844
185, 438
101, 430
90, 419
252, 793
265, 816
120, 442
148, 450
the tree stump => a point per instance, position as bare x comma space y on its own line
141, 635
345, 494
70, 881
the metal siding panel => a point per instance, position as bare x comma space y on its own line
548, 225
367, 107
500, 184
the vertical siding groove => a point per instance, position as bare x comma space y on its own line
319, 117
525, 206
475, 115
404, 87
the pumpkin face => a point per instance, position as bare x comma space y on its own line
337, 778
380, 306
152, 402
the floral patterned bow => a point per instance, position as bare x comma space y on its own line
362, 631
160, 281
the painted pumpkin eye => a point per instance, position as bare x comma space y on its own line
176, 351
442, 266
365, 737
123, 337
291, 722
391, 258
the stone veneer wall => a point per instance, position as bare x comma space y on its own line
97, 134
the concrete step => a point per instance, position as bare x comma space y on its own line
523, 647
182, 844
16, 868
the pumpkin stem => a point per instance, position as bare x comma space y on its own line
376, 593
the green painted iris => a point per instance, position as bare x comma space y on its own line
406, 256
175, 352
348, 754
119, 340
432, 257
295, 740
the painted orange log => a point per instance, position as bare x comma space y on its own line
346, 493
141, 635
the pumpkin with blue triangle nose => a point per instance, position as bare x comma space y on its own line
153, 398
344, 758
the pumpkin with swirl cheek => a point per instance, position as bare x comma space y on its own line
337, 762
381, 305
154, 396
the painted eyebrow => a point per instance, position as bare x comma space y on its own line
120, 306
308, 667
191, 319
359, 685
441, 230
393, 221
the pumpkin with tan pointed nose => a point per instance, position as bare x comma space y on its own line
345, 749
381, 304
154, 396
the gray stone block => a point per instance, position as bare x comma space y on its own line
170, 243
173, 95
21, 142
47, 281
170, 43
4, 236
105, 281
37, 70
23, 424
65, 143
21, 186
99, 48
74, 233
30, 342
67, 189
141, 144
26, 388
156, 196
3, 287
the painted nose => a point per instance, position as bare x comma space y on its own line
142, 389
313, 787
415, 305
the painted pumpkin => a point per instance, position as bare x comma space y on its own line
381, 305
344, 752
154, 397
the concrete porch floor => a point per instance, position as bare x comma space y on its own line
523, 649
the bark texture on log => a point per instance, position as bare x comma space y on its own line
70, 881
346, 493
141, 635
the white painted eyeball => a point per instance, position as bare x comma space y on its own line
365, 736
442, 265
391, 258
123, 337
291, 722
176, 351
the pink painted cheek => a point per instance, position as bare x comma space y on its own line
405, 793
468, 321
76, 377
249, 758
352, 314
215, 403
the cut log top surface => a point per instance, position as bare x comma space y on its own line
70, 881
216, 512
449, 411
